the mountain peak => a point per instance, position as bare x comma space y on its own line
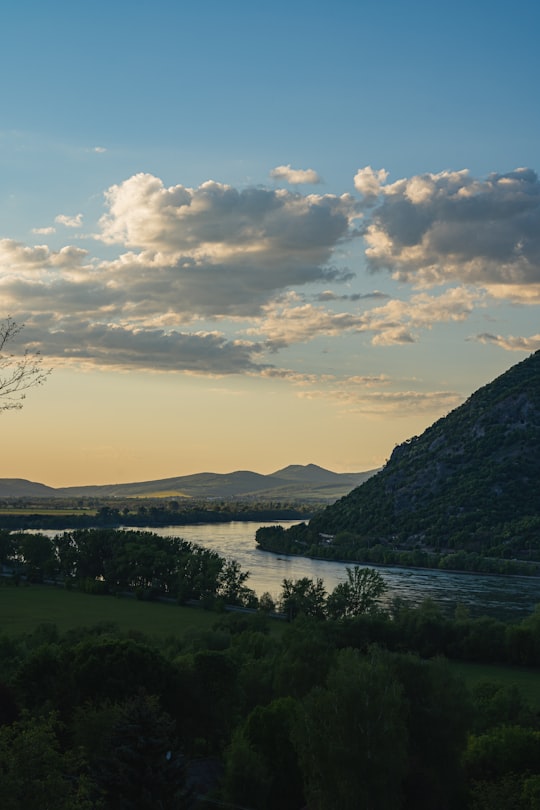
305, 472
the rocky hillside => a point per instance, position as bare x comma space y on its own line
471, 480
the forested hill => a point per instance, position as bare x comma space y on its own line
470, 481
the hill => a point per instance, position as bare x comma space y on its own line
296, 482
470, 478
21, 488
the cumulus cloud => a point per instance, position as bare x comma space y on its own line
219, 250
369, 181
447, 227
295, 177
16, 259
44, 231
220, 223
69, 222
511, 344
185, 256
286, 322
120, 346
181, 261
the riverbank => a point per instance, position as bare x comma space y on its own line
403, 567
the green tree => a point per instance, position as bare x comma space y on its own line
438, 720
306, 655
266, 603
303, 596
360, 593
261, 764
7, 548
112, 669
351, 737
142, 767
38, 553
35, 774
231, 584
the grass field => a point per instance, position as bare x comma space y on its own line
526, 680
22, 609
59, 510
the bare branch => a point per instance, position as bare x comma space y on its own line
17, 373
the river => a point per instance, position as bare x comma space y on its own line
504, 597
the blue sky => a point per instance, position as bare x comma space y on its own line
247, 235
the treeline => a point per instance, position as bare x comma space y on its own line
111, 561
156, 512
347, 713
495, 558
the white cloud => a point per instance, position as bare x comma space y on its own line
217, 222
527, 294
394, 336
287, 322
259, 264
511, 344
69, 222
439, 228
218, 250
110, 345
44, 231
388, 403
369, 181
295, 177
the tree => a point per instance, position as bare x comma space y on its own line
17, 373
232, 587
36, 774
261, 764
359, 594
351, 737
142, 766
303, 596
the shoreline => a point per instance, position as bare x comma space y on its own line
400, 566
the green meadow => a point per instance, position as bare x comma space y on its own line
526, 680
23, 608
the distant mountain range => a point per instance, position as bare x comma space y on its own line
295, 482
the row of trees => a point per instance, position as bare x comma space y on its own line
496, 556
359, 594
111, 561
48, 514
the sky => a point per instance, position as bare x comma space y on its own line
247, 235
